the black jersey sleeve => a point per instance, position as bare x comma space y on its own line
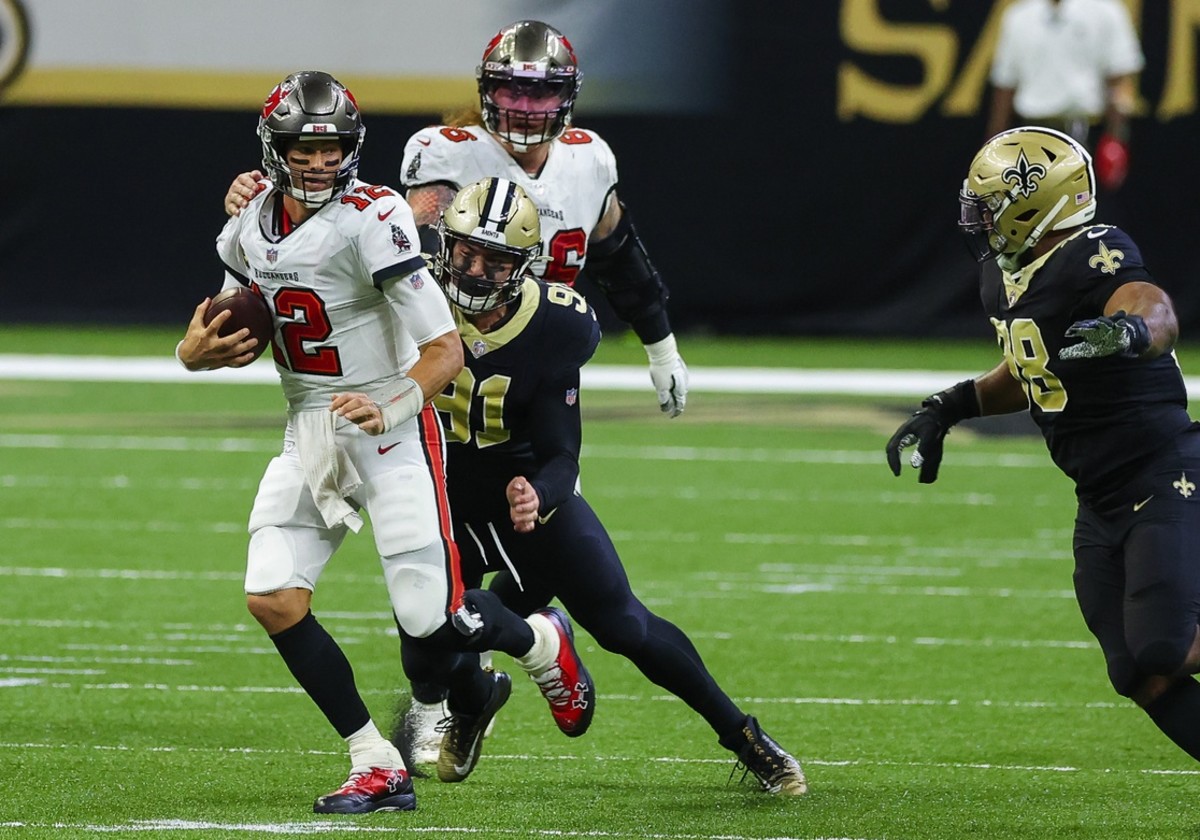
1105, 260
556, 436
571, 336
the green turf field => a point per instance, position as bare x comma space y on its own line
918, 648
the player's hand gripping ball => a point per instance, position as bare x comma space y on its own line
248, 310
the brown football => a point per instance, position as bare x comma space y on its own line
249, 310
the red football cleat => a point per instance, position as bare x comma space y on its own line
566, 684
377, 789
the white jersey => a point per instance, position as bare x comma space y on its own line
350, 293
1059, 56
569, 192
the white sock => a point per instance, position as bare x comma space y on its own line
545, 645
368, 748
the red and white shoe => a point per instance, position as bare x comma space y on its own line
377, 789
566, 684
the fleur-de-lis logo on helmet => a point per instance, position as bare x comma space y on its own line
1024, 175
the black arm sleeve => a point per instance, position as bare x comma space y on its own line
619, 265
556, 435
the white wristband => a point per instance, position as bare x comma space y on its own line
663, 352
179, 358
404, 406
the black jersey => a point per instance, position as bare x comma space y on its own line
1100, 417
514, 408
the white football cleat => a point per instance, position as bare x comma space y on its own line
421, 732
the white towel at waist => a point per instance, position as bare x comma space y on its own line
328, 469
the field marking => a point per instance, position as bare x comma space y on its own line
340, 827
872, 458
857, 702
725, 585
571, 758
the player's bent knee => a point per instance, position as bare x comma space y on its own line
1162, 657
282, 558
277, 611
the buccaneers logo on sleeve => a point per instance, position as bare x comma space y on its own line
400, 239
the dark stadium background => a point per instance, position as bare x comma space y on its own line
787, 212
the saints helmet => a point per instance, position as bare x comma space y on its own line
530, 57
310, 105
497, 215
1022, 183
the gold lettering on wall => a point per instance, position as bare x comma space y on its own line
936, 47
865, 30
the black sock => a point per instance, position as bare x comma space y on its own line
1177, 713
323, 671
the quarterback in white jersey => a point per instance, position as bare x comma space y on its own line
329, 282
363, 340
528, 80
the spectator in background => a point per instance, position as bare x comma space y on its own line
1069, 65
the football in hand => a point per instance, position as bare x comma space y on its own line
248, 310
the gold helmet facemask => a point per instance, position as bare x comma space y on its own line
1022, 183
496, 215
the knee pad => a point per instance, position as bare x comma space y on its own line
419, 589
403, 509
284, 558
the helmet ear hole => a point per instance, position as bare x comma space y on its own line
1028, 215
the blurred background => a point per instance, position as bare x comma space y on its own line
792, 167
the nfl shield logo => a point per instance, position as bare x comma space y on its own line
572, 395
272, 255
416, 281
478, 348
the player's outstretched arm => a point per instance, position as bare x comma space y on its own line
203, 349
1139, 321
244, 187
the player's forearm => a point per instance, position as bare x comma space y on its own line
1154, 307
428, 202
441, 360
999, 393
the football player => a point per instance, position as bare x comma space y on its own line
1087, 337
363, 339
528, 80
512, 465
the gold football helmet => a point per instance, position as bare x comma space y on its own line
1022, 183
489, 236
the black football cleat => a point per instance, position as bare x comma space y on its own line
377, 789
462, 738
774, 769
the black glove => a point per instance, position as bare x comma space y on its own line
928, 428
1117, 334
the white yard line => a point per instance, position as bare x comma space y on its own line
617, 759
